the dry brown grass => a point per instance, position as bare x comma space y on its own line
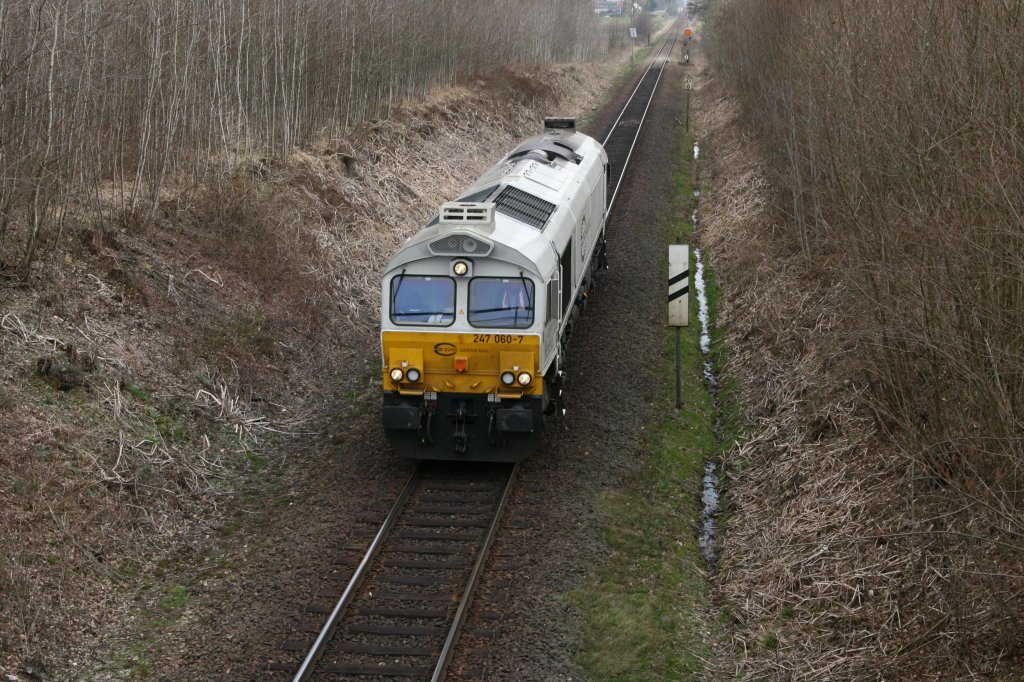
245, 312
103, 96
862, 222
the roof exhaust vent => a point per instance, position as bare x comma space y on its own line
560, 123
464, 242
467, 213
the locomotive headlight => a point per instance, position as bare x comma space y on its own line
397, 374
460, 268
508, 378
413, 375
525, 378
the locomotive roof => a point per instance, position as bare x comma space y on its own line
531, 189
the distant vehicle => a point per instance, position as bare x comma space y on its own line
611, 9
478, 306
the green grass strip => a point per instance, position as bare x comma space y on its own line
647, 613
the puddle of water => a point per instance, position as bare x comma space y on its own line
709, 509
709, 484
704, 317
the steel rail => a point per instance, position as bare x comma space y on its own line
636, 137
462, 612
611, 131
305, 671
327, 632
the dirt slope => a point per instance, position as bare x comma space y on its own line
185, 406
830, 568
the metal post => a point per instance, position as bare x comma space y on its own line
632, 23
687, 111
679, 384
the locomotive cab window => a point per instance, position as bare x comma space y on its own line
553, 309
501, 303
420, 300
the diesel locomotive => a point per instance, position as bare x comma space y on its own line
477, 307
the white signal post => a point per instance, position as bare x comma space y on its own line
678, 285
678, 301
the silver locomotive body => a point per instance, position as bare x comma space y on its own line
477, 307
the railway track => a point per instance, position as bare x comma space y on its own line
406, 597
625, 131
403, 608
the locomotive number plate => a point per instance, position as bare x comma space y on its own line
498, 338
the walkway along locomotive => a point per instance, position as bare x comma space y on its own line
478, 306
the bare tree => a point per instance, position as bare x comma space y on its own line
110, 101
895, 138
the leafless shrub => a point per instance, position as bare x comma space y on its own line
893, 140
222, 400
106, 104
13, 324
98, 489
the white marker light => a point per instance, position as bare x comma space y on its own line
413, 375
507, 378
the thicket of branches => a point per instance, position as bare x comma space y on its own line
105, 102
894, 134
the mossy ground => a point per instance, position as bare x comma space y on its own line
647, 613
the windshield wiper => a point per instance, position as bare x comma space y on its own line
398, 287
529, 302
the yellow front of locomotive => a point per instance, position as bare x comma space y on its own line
461, 343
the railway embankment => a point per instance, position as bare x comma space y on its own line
648, 609
862, 204
190, 413
188, 405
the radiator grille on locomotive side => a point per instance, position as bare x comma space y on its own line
524, 206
